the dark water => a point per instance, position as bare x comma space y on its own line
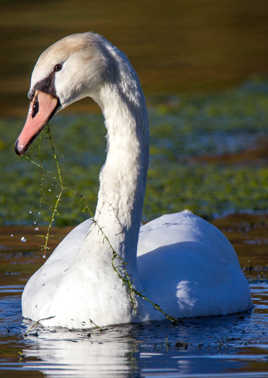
220, 346
175, 46
228, 346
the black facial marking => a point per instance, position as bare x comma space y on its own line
35, 107
46, 85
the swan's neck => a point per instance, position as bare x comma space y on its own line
123, 176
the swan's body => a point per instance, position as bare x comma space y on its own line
184, 264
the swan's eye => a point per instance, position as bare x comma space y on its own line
57, 67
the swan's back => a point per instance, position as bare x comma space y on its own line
189, 267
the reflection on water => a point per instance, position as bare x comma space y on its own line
220, 345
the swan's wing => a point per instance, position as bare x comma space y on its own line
190, 268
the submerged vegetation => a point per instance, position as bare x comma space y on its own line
204, 156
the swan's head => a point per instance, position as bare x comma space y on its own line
69, 70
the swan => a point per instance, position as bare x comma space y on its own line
179, 261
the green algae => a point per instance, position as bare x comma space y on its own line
183, 130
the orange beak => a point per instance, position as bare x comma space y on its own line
42, 108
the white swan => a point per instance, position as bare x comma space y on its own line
184, 264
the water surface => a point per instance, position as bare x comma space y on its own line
227, 346
217, 346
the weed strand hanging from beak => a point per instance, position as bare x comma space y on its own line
45, 247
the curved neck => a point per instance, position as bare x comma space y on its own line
123, 176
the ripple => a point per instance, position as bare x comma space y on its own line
217, 346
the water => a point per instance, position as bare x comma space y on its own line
220, 346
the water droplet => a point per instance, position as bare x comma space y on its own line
12, 235
49, 190
30, 212
39, 213
44, 256
36, 229
23, 239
